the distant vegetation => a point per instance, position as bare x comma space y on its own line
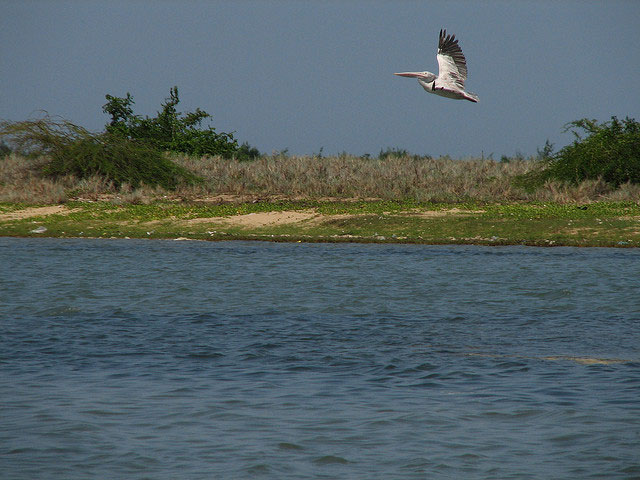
137, 159
399, 153
291, 177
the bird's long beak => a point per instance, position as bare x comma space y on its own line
411, 74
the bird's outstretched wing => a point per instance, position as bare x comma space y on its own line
451, 62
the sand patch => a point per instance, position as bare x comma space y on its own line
269, 219
36, 212
445, 213
259, 219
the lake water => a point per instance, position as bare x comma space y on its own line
232, 360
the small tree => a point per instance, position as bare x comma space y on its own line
121, 114
170, 131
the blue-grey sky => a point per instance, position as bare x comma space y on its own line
301, 75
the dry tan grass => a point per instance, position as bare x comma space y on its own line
21, 181
348, 176
345, 176
422, 179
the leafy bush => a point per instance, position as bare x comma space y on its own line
610, 151
247, 152
170, 131
75, 151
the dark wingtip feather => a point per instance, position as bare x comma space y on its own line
448, 43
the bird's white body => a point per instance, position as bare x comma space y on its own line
452, 71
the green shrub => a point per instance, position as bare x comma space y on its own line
247, 152
75, 151
610, 151
4, 149
170, 131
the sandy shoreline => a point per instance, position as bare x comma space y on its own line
249, 220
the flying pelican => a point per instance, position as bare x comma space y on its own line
452, 71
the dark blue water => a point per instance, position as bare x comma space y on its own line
161, 360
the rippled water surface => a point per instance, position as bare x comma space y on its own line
162, 360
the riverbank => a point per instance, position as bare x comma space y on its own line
599, 224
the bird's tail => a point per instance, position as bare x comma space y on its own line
472, 97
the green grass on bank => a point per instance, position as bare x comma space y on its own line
596, 224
